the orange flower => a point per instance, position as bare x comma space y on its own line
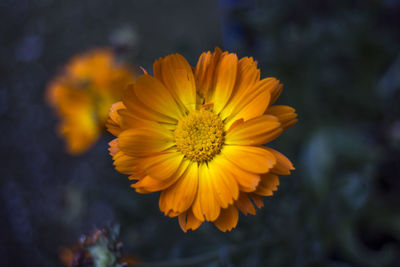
82, 96
197, 135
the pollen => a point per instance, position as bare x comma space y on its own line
200, 135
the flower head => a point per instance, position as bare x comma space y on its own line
82, 96
198, 134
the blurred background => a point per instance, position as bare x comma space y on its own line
340, 64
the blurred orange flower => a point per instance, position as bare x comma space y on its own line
82, 96
198, 134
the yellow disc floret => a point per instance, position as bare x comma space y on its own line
200, 135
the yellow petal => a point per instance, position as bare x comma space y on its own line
177, 75
162, 166
248, 158
225, 78
285, 114
179, 197
256, 131
228, 219
205, 206
145, 141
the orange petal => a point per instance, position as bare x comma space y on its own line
187, 221
247, 181
80, 130
256, 131
157, 69
113, 123
262, 190
247, 77
149, 184
275, 92
138, 109
258, 200
267, 185
113, 149
285, 114
179, 197
145, 141
152, 93
249, 103
126, 164
177, 75
248, 158
205, 206
283, 165
129, 121
114, 116
225, 78
245, 205
225, 186
234, 125
67, 98
228, 219
205, 71
254, 109
162, 166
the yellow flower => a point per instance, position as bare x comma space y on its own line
82, 96
197, 135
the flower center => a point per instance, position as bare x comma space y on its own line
200, 135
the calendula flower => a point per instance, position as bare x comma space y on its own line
198, 134
82, 96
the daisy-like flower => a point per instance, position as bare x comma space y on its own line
83, 94
198, 134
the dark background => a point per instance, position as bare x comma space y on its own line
340, 63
